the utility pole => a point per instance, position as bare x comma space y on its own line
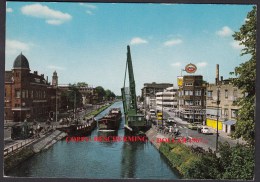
162, 108
56, 110
74, 105
218, 102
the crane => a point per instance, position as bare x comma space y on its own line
134, 121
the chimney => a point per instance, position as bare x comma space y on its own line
35, 72
42, 75
221, 78
217, 74
47, 79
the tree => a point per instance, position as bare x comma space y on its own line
245, 80
237, 162
73, 94
82, 84
109, 94
101, 93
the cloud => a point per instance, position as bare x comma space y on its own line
9, 10
224, 32
52, 17
202, 64
14, 47
90, 6
53, 67
236, 45
89, 12
177, 64
172, 42
138, 40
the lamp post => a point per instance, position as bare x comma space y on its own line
162, 108
56, 107
74, 113
218, 102
74, 105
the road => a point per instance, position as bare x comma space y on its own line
208, 140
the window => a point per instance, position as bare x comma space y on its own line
233, 113
32, 94
191, 92
197, 102
226, 94
198, 92
225, 113
186, 92
18, 94
235, 94
188, 84
23, 94
188, 102
210, 93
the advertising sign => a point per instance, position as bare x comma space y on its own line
190, 68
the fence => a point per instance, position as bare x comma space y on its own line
17, 146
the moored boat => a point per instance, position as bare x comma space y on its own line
111, 121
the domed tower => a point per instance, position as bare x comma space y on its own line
54, 79
21, 68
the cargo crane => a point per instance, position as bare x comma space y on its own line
134, 121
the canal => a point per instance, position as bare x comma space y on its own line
98, 160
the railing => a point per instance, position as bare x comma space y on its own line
16, 146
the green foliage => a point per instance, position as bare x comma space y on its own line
193, 163
74, 96
82, 84
237, 162
246, 76
101, 93
109, 95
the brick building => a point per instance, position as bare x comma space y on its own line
192, 100
28, 96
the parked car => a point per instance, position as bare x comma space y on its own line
170, 120
194, 126
205, 130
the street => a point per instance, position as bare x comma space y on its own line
209, 140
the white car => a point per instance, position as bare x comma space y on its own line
170, 120
205, 130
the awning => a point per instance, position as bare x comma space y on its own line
229, 122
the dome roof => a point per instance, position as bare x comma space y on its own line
21, 62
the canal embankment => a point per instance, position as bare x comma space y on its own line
180, 155
46, 141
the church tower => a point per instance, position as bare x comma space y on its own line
54, 79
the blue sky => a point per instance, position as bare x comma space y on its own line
87, 42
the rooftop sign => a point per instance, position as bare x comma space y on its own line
190, 68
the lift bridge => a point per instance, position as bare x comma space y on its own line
134, 121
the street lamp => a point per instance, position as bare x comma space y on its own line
56, 109
218, 102
74, 115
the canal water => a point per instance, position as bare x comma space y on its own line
98, 160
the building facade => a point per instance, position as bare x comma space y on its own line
149, 93
166, 99
28, 96
191, 99
227, 109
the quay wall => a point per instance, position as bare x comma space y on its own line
28, 151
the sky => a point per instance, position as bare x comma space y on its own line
87, 42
